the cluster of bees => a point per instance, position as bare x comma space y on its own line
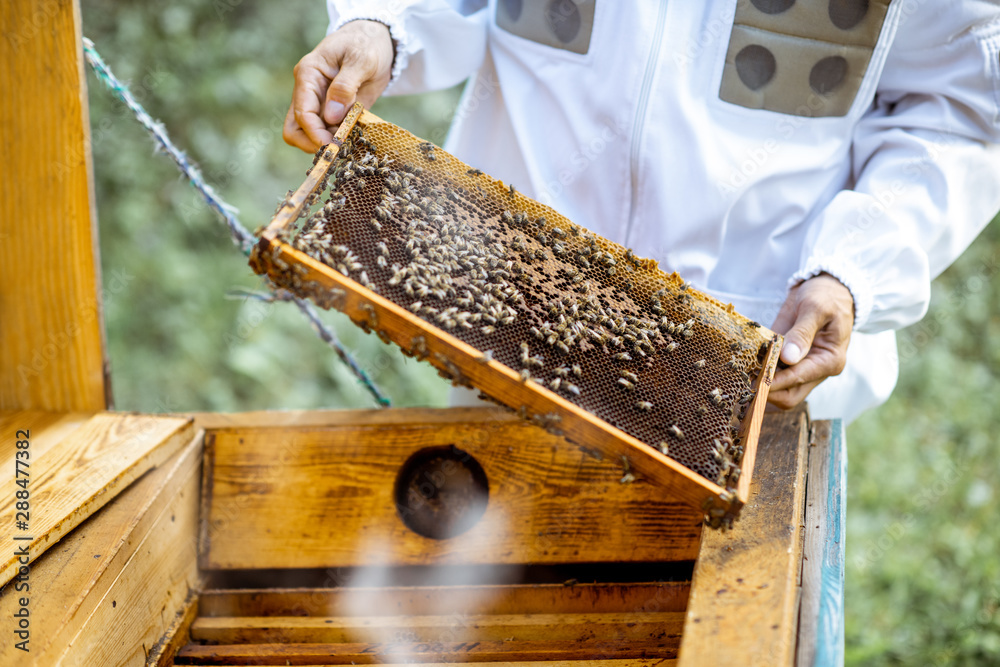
567, 310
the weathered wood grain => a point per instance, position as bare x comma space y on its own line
70, 580
323, 497
177, 636
154, 586
451, 652
625, 662
74, 476
446, 627
426, 600
821, 617
744, 602
51, 340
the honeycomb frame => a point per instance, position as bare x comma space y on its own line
358, 297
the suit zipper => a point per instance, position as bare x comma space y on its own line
640, 114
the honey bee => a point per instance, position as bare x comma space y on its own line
700, 363
562, 372
525, 375
555, 383
485, 357
513, 190
622, 356
671, 346
664, 448
577, 371
625, 383
645, 406
573, 389
631, 377
675, 431
474, 172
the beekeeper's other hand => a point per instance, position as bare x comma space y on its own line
816, 320
353, 64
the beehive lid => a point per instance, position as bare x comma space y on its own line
501, 293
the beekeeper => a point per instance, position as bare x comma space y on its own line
816, 163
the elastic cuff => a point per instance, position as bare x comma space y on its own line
392, 21
847, 273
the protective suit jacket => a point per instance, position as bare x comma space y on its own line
746, 144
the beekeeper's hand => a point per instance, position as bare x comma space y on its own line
351, 65
816, 320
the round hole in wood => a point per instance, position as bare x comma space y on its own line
441, 492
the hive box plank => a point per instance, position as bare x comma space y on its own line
51, 338
75, 474
456, 599
313, 496
84, 603
744, 600
450, 652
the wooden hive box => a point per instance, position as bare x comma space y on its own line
286, 538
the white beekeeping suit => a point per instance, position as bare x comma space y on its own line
747, 145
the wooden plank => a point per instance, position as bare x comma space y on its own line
79, 474
624, 662
324, 497
744, 599
51, 342
47, 429
177, 636
212, 421
69, 581
402, 651
155, 585
447, 627
425, 600
821, 618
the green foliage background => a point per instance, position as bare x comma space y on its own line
923, 573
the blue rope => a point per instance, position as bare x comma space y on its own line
241, 237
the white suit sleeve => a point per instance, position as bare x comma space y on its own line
439, 43
926, 167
